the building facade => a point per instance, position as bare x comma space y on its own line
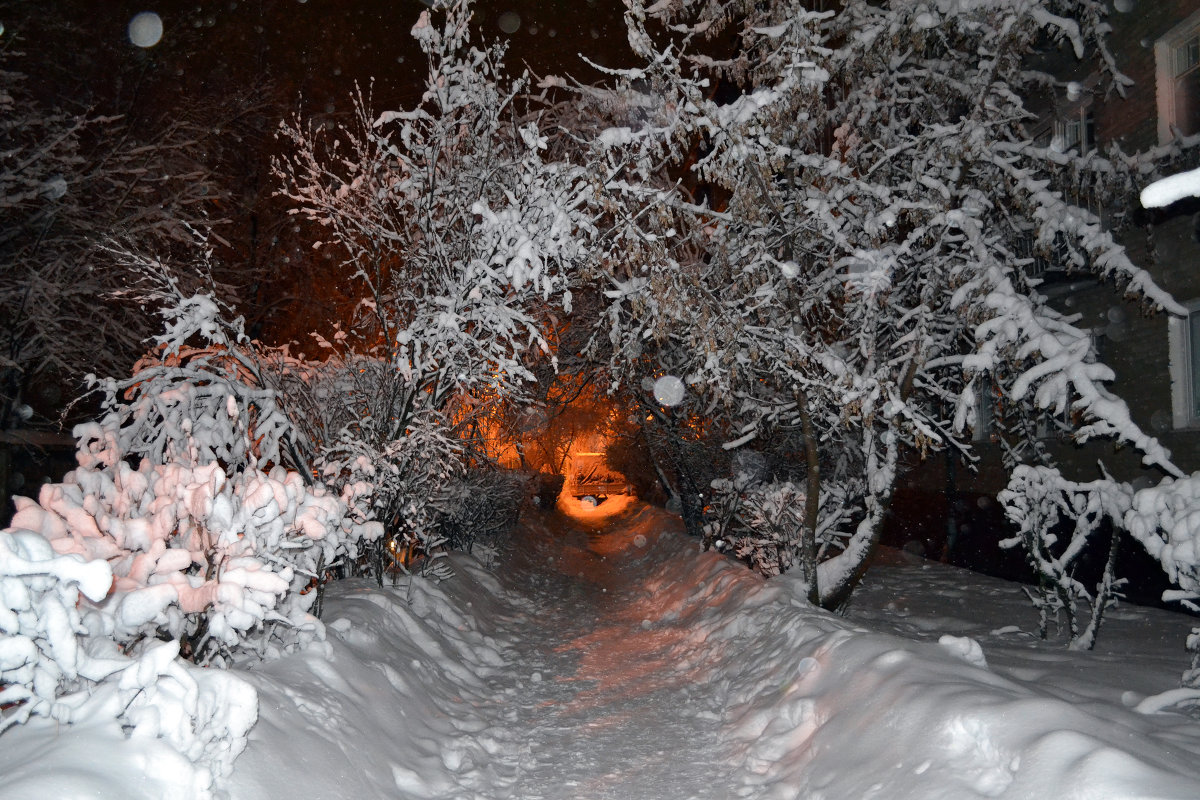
1155, 356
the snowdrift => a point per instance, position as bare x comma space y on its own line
427, 691
820, 708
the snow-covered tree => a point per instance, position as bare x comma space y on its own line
463, 242
863, 188
71, 183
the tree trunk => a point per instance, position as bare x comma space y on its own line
842, 573
812, 502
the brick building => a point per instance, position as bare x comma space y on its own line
1156, 358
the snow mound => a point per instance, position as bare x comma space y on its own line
819, 708
662, 671
390, 709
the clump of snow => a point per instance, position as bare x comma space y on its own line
40, 654
965, 648
925, 21
1173, 188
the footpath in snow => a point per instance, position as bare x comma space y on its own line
602, 656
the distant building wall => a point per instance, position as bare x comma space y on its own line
1153, 43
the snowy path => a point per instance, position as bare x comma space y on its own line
609, 708
621, 664
553, 674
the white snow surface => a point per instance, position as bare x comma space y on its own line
1172, 188
602, 656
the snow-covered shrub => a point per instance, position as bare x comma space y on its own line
480, 506
221, 563
41, 656
761, 520
211, 541
395, 481
205, 714
180, 533
460, 237
69, 180
1058, 522
56, 661
760, 524
1166, 520
464, 242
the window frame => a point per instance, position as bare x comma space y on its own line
1168, 71
1076, 130
1189, 49
1183, 369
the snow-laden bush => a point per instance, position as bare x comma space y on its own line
394, 481
57, 662
1166, 520
205, 714
759, 523
760, 520
211, 541
41, 656
181, 533
221, 563
464, 241
1058, 521
480, 506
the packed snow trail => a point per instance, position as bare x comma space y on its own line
607, 659
617, 662
610, 703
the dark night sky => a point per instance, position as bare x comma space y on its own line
286, 56
311, 49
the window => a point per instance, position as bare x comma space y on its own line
1187, 56
1076, 132
1067, 133
1177, 79
1184, 335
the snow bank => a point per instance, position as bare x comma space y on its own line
463, 690
820, 708
389, 708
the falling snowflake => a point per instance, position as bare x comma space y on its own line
509, 22
145, 29
668, 390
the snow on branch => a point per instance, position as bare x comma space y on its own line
1171, 189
